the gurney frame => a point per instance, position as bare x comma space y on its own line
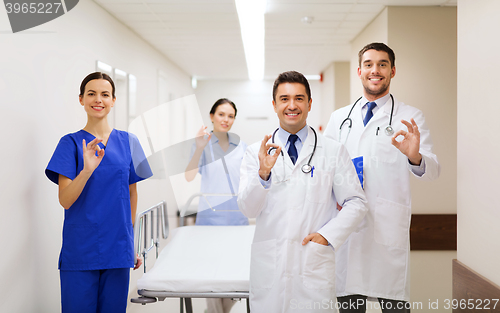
146, 239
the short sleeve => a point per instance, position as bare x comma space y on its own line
139, 168
63, 161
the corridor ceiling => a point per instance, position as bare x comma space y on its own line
203, 36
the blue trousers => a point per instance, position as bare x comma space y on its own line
98, 291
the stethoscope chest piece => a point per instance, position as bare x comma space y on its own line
306, 168
389, 131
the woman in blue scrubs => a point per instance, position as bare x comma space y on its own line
97, 169
217, 157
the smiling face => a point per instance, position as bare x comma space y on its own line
375, 72
97, 99
292, 106
223, 118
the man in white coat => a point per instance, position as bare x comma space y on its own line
293, 259
394, 141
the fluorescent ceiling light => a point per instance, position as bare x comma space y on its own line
251, 15
312, 77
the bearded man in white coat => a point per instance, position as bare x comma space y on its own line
293, 259
394, 141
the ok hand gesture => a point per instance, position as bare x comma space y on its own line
90, 160
267, 161
410, 145
201, 141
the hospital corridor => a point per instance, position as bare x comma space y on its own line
255, 156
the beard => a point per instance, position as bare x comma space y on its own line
379, 92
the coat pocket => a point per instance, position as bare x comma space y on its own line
319, 186
392, 223
319, 266
384, 150
263, 264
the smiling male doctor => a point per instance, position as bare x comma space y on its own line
293, 259
374, 262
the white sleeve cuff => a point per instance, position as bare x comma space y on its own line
418, 170
265, 183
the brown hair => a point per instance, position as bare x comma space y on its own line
379, 47
223, 101
96, 75
291, 77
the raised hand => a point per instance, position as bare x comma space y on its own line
90, 160
201, 141
267, 161
410, 145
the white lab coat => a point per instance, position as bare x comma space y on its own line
375, 259
284, 275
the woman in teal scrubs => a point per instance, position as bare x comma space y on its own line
97, 169
217, 157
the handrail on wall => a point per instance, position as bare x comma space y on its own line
146, 239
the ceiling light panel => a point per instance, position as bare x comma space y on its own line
252, 25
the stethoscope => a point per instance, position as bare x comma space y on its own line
389, 131
306, 168
232, 194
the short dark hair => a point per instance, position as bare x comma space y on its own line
223, 101
291, 77
96, 75
379, 47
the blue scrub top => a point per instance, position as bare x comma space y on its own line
97, 231
217, 178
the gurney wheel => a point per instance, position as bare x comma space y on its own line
143, 300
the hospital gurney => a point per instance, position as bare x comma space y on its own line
198, 262
187, 210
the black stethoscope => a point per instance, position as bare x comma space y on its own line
389, 131
306, 168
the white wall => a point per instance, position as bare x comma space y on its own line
478, 145
426, 75
335, 90
425, 78
40, 74
328, 90
342, 84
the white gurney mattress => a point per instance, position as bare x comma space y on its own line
202, 259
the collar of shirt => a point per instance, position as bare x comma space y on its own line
380, 103
215, 150
232, 139
283, 137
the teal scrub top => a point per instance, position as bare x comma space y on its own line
97, 231
220, 174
